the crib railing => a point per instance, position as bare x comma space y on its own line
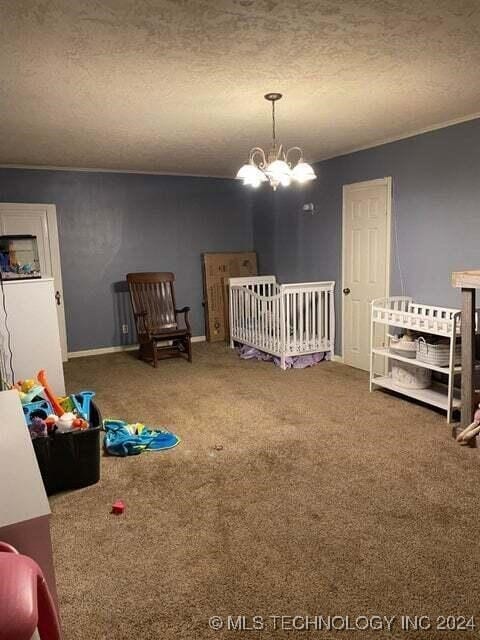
255, 311
284, 320
309, 317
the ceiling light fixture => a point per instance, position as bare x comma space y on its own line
274, 166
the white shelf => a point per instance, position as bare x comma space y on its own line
435, 395
384, 351
404, 313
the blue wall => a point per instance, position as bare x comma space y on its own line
436, 203
113, 223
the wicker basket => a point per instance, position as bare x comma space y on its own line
437, 354
408, 376
401, 347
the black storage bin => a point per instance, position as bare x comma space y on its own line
70, 460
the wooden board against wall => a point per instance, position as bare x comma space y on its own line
217, 269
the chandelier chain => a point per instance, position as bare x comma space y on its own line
273, 126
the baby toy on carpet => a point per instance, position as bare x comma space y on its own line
123, 439
472, 430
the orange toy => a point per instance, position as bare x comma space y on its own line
80, 423
42, 378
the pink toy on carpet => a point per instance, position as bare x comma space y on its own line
118, 507
472, 430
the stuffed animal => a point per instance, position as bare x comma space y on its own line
472, 430
38, 428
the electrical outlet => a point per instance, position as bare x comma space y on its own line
124, 328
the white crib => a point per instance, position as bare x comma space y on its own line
282, 319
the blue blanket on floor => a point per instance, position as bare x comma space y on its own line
123, 439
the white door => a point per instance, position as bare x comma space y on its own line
40, 220
366, 263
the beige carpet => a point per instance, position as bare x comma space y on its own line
325, 499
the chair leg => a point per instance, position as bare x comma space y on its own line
189, 348
154, 353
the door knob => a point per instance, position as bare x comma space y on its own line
346, 291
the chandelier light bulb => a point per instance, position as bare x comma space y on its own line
303, 172
278, 169
274, 166
251, 175
246, 171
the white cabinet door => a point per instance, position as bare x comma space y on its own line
40, 220
366, 251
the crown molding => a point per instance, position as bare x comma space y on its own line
369, 145
405, 136
100, 170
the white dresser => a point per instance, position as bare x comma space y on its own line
25, 511
33, 323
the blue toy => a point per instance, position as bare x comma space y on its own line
39, 409
122, 439
28, 397
81, 402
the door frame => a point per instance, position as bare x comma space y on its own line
378, 182
54, 245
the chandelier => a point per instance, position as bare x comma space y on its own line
275, 166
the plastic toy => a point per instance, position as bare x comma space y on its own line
27, 385
80, 423
67, 404
472, 430
61, 414
25, 398
38, 428
39, 409
42, 378
28, 390
81, 403
118, 507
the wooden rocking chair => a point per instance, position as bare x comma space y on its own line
153, 303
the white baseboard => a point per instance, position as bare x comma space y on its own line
336, 358
124, 347
102, 351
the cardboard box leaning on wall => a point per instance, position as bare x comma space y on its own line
217, 269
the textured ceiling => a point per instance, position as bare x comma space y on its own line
177, 85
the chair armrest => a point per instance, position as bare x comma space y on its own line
185, 311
